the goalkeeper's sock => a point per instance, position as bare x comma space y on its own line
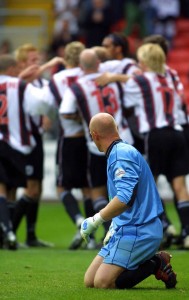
129, 278
71, 206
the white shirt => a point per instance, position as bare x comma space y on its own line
58, 85
153, 97
124, 66
18, 102
89, 100
182, 113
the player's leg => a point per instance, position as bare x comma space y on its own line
158, 265
89, 212
161, 143
99, 197
178, 171
32, 193
106, 275
12, 165
88, 203
71, 160
32, 196
7, 236
11, 196
34, 175
20, 211
91, 271
71, 205
98, 178
181, 193
69, 166
169, 231
109, 276
134, 250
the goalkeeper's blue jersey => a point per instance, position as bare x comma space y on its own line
131, 180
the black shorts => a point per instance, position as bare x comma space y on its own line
186, 134
34, 161
97, 170
12, 166
167, 153
72, 163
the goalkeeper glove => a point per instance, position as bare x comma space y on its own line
108, 235
89, 225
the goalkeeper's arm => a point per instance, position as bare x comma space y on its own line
114, 208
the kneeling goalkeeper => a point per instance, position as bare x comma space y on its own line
129, 254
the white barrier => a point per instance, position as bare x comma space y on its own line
49, 181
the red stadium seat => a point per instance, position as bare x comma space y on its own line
181, 41
182, 25
184, 78
134, 43
186, 93
178, 54
181, 67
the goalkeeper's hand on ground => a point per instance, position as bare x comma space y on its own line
89, 225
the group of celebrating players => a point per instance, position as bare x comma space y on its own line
146, 99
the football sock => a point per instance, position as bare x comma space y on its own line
182, 230
88, 208
99, 204
31, 219
164, 218
175, 202
71, 206
4, 215
183, 211
20, 211
129, 278
11, 207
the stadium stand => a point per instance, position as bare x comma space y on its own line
23, 19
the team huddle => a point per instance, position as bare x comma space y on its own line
105, 103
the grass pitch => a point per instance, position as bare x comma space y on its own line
57, 273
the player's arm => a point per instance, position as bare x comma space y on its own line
113, 209
35, 71
126, 191
74, 116
50, 64
30, 73
111, 77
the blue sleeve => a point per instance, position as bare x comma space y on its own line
125, 176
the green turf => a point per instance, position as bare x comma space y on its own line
57, 273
